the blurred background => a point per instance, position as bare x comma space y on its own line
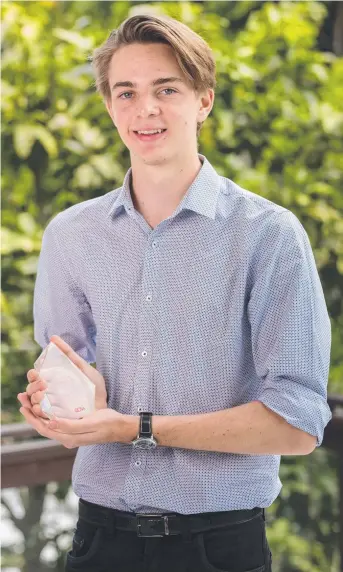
276, 129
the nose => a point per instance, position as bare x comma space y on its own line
147, 106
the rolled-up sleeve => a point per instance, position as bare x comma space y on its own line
60, 306
290, 328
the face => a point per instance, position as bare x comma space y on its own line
149, 92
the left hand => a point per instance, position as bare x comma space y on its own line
103, 426
35, 390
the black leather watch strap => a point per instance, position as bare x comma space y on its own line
145, 426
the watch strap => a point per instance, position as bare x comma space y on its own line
145, 425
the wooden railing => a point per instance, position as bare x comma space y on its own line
32, 460
28, 460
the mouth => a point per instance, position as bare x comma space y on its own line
151, 136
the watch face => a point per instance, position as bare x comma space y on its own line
145, 443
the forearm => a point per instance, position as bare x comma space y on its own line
247, 429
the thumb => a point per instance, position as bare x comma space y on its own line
72, 355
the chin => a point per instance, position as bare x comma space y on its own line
162, 159
152, 158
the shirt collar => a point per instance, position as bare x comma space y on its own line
201, 197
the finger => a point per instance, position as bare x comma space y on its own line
93, 375
37, 397
24, 400
32, 375
38, 412
42, 427
66, 349
71, 354
72, 426
35, 386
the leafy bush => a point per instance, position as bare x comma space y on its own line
276, 129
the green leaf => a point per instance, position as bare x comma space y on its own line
25, 135
27, 224
12, 242
47, 140
80, 41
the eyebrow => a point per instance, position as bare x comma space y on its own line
159, 81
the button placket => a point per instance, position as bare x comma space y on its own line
142, 383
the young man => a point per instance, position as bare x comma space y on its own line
202, 307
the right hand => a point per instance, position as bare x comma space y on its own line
37, 386
34, 393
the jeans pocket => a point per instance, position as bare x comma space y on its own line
86, 547
235, 547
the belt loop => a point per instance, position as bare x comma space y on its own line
185, 532
264, 514
110, 525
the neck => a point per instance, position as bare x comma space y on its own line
157, 190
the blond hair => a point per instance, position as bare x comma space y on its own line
193, 54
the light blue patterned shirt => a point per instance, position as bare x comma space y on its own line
219, 305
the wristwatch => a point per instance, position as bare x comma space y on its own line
145, 438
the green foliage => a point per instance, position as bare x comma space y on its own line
276, 129
303, 522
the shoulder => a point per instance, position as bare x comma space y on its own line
234, 199
83, 217
256, 215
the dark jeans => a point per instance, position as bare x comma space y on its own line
235, 547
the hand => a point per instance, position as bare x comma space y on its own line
103, 426
34, 393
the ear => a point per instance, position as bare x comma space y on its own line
206, 100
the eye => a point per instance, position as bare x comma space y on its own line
128, 93
125, 93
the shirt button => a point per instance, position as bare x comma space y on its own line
144, 354
138, 463
139, 409
154, 244
149, 298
